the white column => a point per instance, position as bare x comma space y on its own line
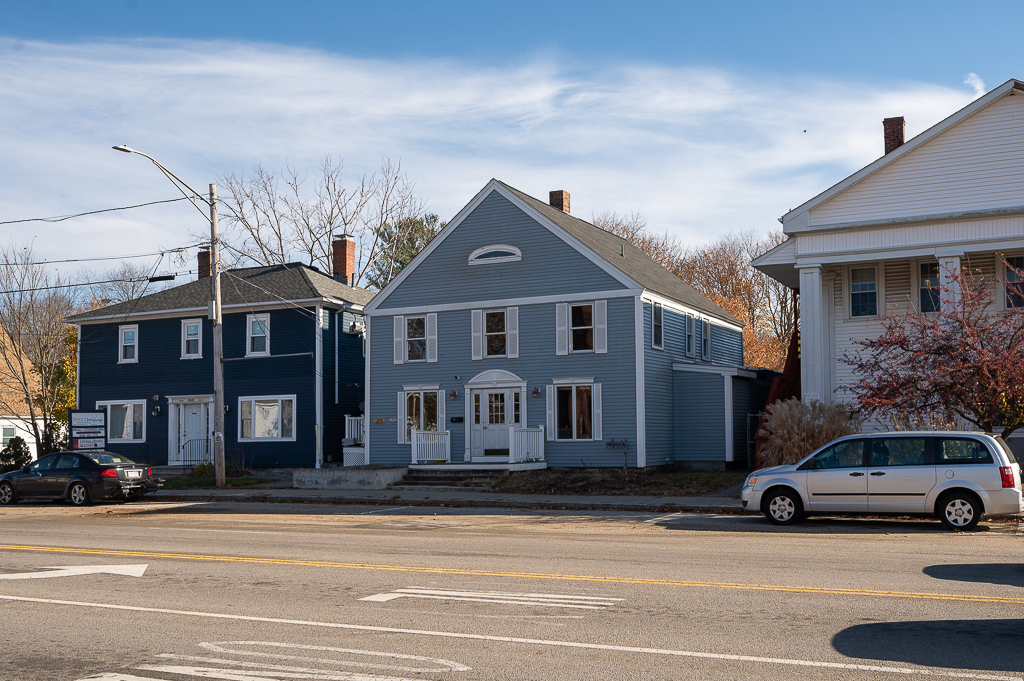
812, 332
948, 266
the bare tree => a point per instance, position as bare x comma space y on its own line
272, 218
722, 271
34, 343
127, 281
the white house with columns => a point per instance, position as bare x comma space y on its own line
876, 242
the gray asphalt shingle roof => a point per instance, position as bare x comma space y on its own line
274, 283
627, 258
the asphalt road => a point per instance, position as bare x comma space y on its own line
277, 591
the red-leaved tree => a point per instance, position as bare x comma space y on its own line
966, 360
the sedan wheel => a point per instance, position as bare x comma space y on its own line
960, 512
78, 494
783, 508
7, 494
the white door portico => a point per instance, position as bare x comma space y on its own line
190, 429
495, 399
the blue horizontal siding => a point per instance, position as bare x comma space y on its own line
537, 364
699, 402
549, 264
160, 372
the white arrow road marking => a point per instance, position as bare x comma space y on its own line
69, 570
852, 666
546, 600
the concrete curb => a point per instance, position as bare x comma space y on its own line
457, 503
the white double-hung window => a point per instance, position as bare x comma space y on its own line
126, 420
658, 326
128, 344
495, 333
574, 409
191, 339
257, 335
270, 417
581, 327
416, 338
420, 407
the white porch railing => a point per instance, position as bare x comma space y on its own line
428, 445
354, 428
525, 444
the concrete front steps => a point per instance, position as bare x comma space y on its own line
465, 480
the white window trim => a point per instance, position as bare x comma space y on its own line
654, 308
690, 335
915, 281
121, 344
597, 409
593, 327
484, 334
253, 398
249, 319
184, 324
848, 290
474, 257
406, 339
105, 406
705, 352
403, 429
1001, 292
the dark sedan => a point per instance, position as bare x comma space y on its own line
78, 477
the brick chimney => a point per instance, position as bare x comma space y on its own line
344, 258
205, 266
559, 199
895, 129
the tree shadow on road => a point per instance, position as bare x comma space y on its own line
990, 645
1010, 574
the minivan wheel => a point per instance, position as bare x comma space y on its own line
7, 494
959, 511
78, 494
782, 507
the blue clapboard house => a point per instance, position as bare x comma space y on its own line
523, 337
293, 366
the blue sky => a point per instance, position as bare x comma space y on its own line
705, 117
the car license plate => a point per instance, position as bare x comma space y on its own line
133, 474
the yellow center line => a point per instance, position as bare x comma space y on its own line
519, 575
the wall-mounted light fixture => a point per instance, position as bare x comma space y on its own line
452, 395
456, 378
156, 398
536, 392
156, 410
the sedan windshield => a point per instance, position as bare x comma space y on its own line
109, 458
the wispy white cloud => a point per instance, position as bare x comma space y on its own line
974, 81
698, 151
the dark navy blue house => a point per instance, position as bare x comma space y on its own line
293, 368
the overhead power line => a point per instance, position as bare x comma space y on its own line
95, 283
62, 218
109, 257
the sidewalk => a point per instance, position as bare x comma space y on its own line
452, 497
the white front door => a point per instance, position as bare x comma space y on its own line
193, 432
492, 412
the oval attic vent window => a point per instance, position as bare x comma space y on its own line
495, 253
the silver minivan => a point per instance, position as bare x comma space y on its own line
957, 476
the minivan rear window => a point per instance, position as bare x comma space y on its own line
1006, 449
962, 450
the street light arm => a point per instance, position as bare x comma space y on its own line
175, 180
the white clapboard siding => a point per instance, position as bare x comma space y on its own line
975, 165
891, 237
898, 290
847, 332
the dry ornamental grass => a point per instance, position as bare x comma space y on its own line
792, 429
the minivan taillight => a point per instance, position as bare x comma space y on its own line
1007, 474
112, 473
